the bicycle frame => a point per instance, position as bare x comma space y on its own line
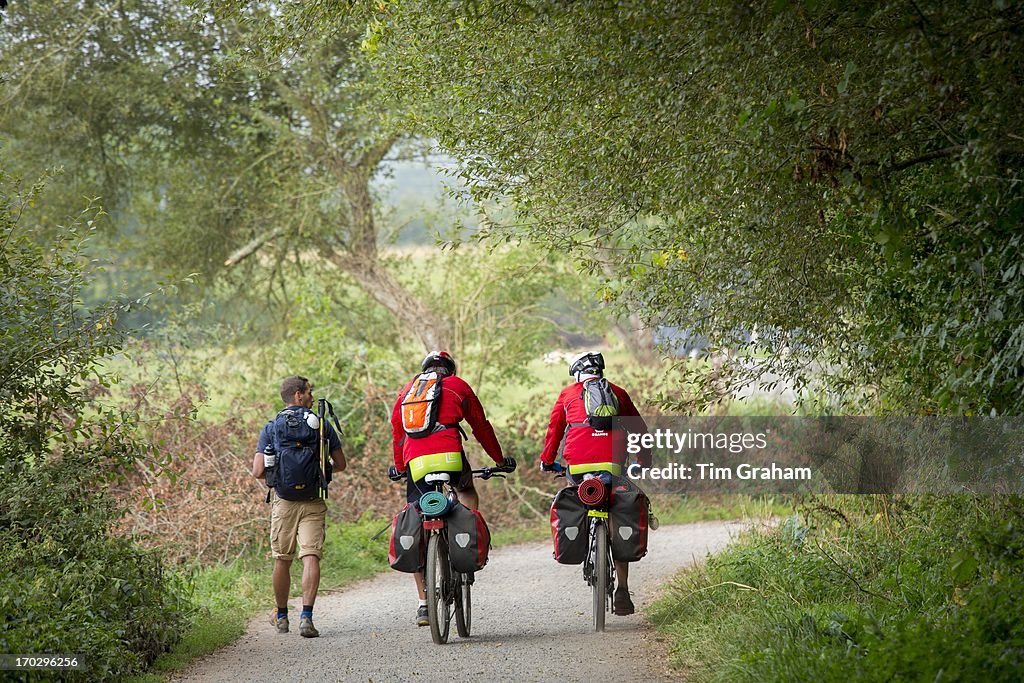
444, 586
598, 571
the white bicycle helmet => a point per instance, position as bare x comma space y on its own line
586, 363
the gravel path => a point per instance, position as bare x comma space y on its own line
531, 622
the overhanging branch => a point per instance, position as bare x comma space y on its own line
252, 247
928, 156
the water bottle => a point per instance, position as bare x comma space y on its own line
269, 456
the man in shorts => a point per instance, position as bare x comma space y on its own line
297, 524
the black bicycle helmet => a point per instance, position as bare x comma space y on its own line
438, 359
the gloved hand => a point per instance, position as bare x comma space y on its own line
550, 467
509, 464
394, 474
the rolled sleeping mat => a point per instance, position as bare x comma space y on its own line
434, 504
593, 491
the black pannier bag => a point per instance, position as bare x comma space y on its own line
469, 539
628, 513
407, 551
569, 527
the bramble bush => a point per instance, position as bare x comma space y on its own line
69, 585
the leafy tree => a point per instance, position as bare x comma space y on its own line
844, 180
214, 144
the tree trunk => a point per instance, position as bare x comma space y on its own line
413, 314
362, 261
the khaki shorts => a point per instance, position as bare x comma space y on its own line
301, 521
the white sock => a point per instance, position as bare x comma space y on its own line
423, 603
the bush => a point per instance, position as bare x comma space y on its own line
68, 585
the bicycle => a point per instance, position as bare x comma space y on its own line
598, 567
449, 593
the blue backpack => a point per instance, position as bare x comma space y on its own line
296, 475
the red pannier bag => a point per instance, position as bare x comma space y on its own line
569, 527
407, 551
469, 539
627, 514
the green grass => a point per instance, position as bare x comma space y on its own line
676, 509
866, 588
230, 595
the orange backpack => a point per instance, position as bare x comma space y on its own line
420, 405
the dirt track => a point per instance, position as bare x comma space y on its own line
531, 622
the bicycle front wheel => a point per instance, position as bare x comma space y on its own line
463, 607
601, 574
438, 580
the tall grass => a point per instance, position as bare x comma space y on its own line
865, 588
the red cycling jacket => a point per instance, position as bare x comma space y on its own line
458, 402
583, 444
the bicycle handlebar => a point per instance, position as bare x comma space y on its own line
488, 472
482, 473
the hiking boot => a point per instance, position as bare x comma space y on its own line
279, 623
622, 605
306, 628
422, 618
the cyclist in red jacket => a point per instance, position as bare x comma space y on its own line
587, 450
441, 450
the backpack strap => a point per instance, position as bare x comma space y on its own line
328, 408
456, 425
583, 392
334, 418
441, 427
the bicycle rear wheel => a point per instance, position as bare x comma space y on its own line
438, 580
601, 573
463, 607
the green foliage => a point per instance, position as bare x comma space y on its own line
211, 141
862, 589
843, 179
49, 346
68, 583
497, 302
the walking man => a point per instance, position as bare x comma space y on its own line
288, 458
